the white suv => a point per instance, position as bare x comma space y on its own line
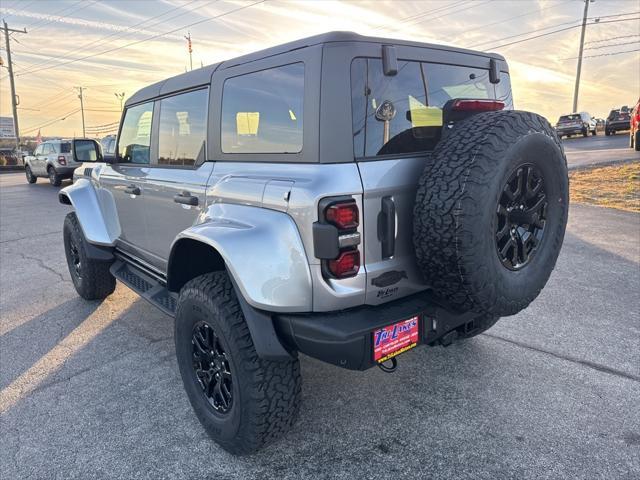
57, 159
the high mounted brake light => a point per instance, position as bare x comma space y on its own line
62, 160
343, 215
477, 105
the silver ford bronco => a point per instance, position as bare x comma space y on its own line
344, 197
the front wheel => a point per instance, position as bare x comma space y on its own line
594, 133
54, 178
585, 133
636, 141
31, 178
91, 278
242, 401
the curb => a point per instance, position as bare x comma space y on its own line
11, 168
607, 163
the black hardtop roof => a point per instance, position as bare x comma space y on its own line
202, 76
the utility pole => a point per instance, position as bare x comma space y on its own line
188, 38
14, 97
120, 97
81, 109
578, 71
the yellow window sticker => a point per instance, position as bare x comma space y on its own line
424, 116
292, 115
247, 123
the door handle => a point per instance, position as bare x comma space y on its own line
185, 198
387, 227
132, 190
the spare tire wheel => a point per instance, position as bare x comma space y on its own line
491, 211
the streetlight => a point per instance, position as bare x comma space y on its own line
120, 97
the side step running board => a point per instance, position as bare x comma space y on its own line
146, 286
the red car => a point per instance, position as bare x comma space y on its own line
634, 133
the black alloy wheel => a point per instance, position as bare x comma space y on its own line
521, 217
74, 257
211, 368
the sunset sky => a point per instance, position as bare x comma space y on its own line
111, 46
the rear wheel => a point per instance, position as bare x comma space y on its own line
91, 278
491, 211
636, 141
31, 178
242, 401
585, 132
54, 178
607, 132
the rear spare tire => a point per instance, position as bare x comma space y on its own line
491, 211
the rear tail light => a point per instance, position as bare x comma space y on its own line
346, 265
336, 237
477, 105
343, 215
62, 160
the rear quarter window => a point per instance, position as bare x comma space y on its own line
65, 147
262, 111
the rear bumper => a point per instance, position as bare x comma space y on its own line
617, 126
65, 172
345, 338
569, 130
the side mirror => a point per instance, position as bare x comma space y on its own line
87, 151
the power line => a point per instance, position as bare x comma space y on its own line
119, 34
558, 31
146, 39
595, 20
612, 45
466, 6
385, 26
605, 54
514, 17
51, 122
613, 38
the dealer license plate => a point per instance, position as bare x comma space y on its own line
395, 339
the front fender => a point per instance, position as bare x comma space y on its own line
263, 253
95, 209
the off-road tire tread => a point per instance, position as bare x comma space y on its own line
274, 393
468, 154
98, 282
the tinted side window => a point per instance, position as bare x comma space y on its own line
135, 134
262, 112
65, 147
390, 113
183, 126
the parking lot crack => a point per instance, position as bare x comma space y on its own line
41, 264
568, 358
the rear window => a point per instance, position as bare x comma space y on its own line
403, 113
568, 118
262, 111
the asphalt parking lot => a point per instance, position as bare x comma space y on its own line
92, 390
599, 150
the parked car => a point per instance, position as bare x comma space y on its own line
618, 120
306, 199
108, 145
634, 131
57, 159
576, 124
